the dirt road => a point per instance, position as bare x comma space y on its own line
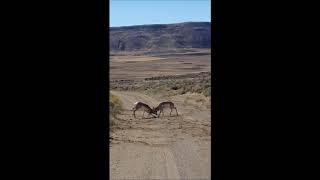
176, 147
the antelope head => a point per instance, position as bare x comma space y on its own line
154, 110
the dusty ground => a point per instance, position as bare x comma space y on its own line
141, 65
176, 147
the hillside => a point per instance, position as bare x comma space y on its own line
162, 36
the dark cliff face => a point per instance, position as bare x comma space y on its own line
143, 37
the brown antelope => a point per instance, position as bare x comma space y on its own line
144, 107
163, 105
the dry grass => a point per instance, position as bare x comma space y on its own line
199, 83
115, 108
197, 100
139, 65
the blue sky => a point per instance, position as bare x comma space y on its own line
138, 12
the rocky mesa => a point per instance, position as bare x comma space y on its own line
161, 36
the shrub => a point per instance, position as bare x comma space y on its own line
114, 108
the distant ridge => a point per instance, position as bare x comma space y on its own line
161, 36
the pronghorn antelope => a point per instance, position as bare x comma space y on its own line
163, 105
144, 107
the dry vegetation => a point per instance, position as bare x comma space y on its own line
114, 107
168, 85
